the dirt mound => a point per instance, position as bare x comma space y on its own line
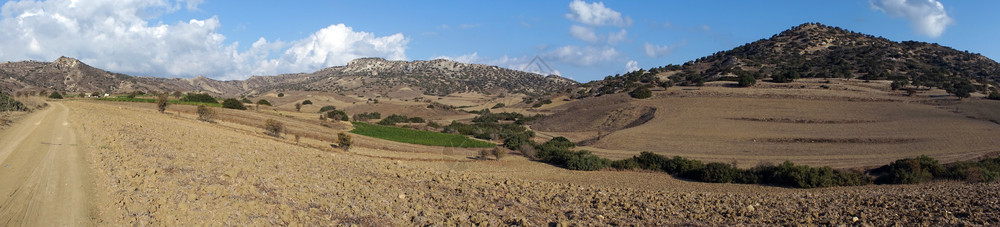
603, 114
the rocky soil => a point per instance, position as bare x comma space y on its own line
168, 169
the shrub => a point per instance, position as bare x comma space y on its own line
483, 154
273, 128
584, 160
206, 114
232, 103
337, 115
393, 119
55, 95
95, 94
528, 151
199, 97
746, 80
498, 153
9, 104
162, 102
344, 141
994, 95
719, 173
298, 107
246, 100
910, 171
281, 95
498, 105
177, 94
327, 108
307, 102
263, 102
416, 120
641, 93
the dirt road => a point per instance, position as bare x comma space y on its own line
43, 178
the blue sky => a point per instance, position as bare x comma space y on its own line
583, 40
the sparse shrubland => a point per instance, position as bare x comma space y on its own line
367, 116
395, 118
336, 115
9, 104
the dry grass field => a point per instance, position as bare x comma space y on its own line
851, 124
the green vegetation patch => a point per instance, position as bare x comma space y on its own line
416, 136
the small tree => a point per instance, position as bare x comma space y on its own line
498, 153
206, 114
344, 141
281, 95
177, 94
307, 102
298, 107
232, 103
747, 80
994, 95
162, 102
641, 93
273, 128
246, 100
263, 102
327, 108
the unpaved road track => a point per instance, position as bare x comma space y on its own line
43, 178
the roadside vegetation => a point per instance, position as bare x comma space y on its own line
417, 137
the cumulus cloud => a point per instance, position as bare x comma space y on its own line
654, 51
116, 35
583, 33
584, 56
631, 66
596, 14
928, 17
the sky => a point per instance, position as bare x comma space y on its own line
581, 40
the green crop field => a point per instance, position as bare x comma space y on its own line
417, 136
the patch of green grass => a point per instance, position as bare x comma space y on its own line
417, 136
127, 99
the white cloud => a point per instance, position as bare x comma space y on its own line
583, 33
631, 66
595, 14
472, 58
116, 35
616, 37
654, 51
584, 56
928, 17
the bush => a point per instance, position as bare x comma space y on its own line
246, 100
162, 102
584, 160
746, 80
498, 153
177, 94
911, 171
9, 104
232, 103
273, 128
641, 93
416, 120
994, 95
199, 97
367, 116
298, 107
344, 141
498, 105
55, 95
263, 102
281, 95
393, 119
327, 108
337, 115
307, 102
528, 151
206, 114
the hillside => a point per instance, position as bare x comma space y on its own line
367, 75
814, 50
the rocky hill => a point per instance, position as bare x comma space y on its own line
436, 77
817, 50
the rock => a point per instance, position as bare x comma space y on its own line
854, 219
750, 209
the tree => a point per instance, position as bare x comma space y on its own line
162, 102
994, 95
898, 84
263, 102
344, 141
641, 93
298, 106
232, 103
747, 80
199, 97
327, 108
177, 94
246, 100
307, 102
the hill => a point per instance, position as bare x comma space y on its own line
814, 50
360, 76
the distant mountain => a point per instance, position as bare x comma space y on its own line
366, 75
817, 50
